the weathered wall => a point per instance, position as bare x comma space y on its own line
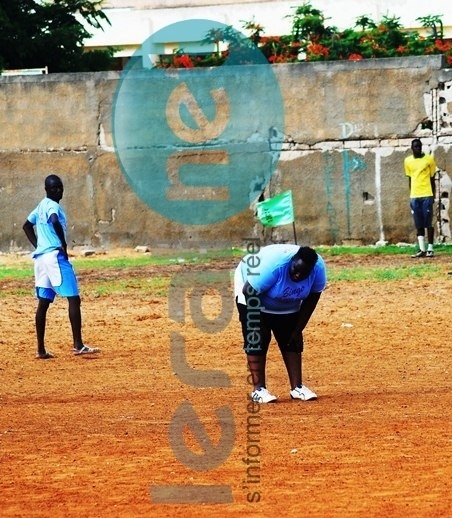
348, 128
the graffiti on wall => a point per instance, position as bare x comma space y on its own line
352, 164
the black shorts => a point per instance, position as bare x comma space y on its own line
422, 210
257, 329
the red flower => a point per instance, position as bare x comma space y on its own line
443, 46
317, 49
355, 57
183, 61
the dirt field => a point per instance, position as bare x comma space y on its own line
103, 436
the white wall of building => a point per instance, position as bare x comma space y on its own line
133, 21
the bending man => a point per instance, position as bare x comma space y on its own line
277, 289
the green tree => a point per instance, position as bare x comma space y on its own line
308, 25
34, 34
434, 23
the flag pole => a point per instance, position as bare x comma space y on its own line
294, 233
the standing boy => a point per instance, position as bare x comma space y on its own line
420, 169
54, 273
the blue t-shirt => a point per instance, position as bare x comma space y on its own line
268, 273
45, 233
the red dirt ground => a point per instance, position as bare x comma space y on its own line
89, 437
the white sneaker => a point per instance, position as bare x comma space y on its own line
303, 393
262, 395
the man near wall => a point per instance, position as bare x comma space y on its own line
54, 274
420, 169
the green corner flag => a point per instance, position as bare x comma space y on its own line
276, 211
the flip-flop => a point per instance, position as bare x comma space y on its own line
86, 350
46, 356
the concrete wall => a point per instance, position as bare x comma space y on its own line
348, 127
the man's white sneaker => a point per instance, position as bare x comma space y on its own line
303, 393
262, 395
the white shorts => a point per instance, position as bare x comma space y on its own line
238, 285
54, 275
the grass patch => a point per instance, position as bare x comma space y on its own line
17, 272
382, 273
158, 285
377, 250
155, 286
22, 267
182, 257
